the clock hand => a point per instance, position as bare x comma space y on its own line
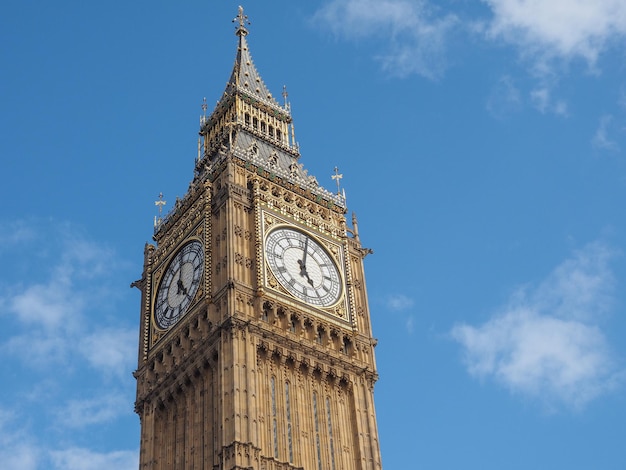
306, 245
181, 287
302, 268
302, 262
304, 273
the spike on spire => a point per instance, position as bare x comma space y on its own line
242, 20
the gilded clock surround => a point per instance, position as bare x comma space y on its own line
178, 282
339, 309
252, 377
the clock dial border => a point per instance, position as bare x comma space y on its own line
332, 250
178, 285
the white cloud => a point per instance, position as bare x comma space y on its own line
56, 323
547, 342
621, 101
538, 355
550, 35
14, 233
601, 139
85, 459
110, 349
39, 350
47, 305
20, 451
97, 410
49, 315
542, 99
563, 29
581, 288
20, 457
17, 452
505, 98
399, 302
410, 324
416, 40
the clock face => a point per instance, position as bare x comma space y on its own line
303, 267
179, 285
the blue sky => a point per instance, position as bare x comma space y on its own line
482, 147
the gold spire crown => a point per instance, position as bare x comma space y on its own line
242, 19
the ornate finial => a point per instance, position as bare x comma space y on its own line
285, 95
354, 231
204, 108
337, 176
242, 19
160, 203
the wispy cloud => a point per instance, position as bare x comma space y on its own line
14, 233
547, 343
410, 324
399, 302
57, 324
558, 29
17, 451
49, 305
111, 350
505, 98
85, 459
416, 33
96, 410
543, 100
415, 38
49, 315
602, 139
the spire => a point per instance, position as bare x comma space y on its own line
249, 124
245, 91
245, 77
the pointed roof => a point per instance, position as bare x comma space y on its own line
245, 78
268, 144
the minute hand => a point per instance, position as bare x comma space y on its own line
302, 263
306, 246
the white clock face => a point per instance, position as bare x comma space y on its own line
179, 285
303, 267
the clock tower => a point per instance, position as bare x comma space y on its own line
255, 346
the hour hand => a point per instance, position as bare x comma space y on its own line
181, 287
303, 272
